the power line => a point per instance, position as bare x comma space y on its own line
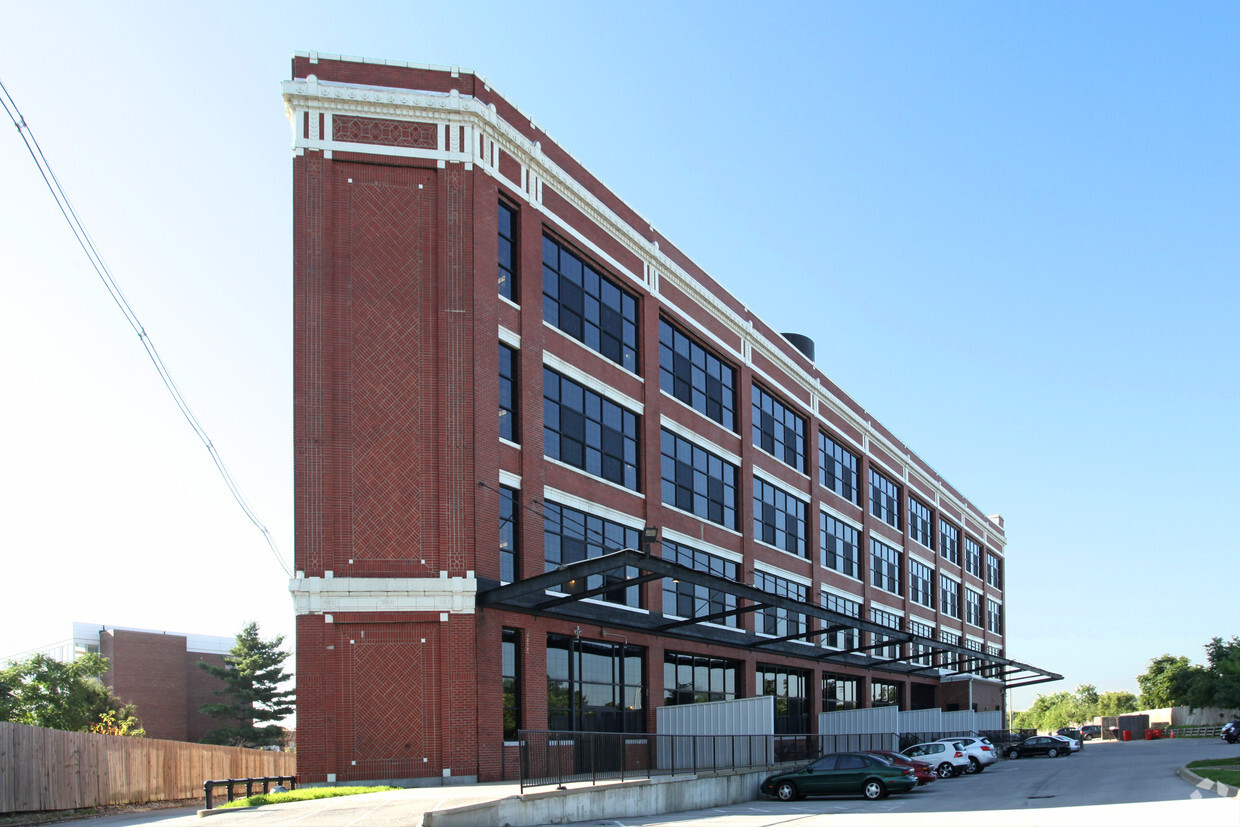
118, 297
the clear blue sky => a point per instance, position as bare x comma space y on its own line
1012, 229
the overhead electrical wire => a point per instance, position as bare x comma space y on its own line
114, 290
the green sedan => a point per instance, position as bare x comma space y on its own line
841, 773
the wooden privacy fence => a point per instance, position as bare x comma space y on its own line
47, 769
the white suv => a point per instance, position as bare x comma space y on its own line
980, 751
947, 759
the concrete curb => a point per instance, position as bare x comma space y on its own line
1205, 784
215, 811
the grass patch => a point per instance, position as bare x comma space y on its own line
1213, 769
1214, 762
307, 794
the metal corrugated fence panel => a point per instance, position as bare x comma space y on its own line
859, 721
744, 716
921, 720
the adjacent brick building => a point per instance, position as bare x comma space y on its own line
503, 377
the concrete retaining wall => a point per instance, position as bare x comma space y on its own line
671, 794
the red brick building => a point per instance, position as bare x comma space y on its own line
503, 377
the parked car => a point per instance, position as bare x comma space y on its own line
923, 770
1230, 732
1091, 731
1049, 745
948, 759
980, 751
841, 773
1072, 744
1069, 732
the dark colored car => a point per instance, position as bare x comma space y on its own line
841, 773
1039, 745
1091, 731
1230, 732
922, 770
1070, 732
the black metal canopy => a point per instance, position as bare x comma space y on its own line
531, 596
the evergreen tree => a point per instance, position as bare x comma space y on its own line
252, 674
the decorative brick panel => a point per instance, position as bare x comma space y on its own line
385, 132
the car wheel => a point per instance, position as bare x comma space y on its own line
1013, 754
945, 770
874, 790
786, 791
1052, 752
973, 766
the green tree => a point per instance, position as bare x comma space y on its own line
1218, 684
252, 674
1168, 681
41, 691
1117, 703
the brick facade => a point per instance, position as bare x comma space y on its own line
397, 176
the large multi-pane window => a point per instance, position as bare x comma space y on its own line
693, 679
570, 536
686, 599
840, 546
884, 499
778, 518
884, 567
994, 616
695, 376
698, 481
507, 221
920, 653
837, 468
972, 607
775, 621
972, 556
507, 393
920, 526
848, 638
949, 597
588, 431
994, 570
949, 542
588, 306
777, 430
920, 584
509, 534
594, 686
891, 621
510, 675
840, 692
791, 690
886, 693
972, 664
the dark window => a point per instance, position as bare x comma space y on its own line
695, 376
949, 637
973, 664
949, 597
839, 546
891, 621
774, 621
507, 219
510, 673
920, 652
686, 599
920, 526
777, 430
509, 526
588, 431
886, 693
791, 690
837, 468
920, 584
588, 306
949, 542
507, 393
594, 686
994, 570
972, 556
884, 499
884, 566
697, 481
994, 616
847, 638
972, 607
570, 535
840, 692
778, 518
690, 679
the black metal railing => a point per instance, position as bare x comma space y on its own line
559, 758
208, 787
